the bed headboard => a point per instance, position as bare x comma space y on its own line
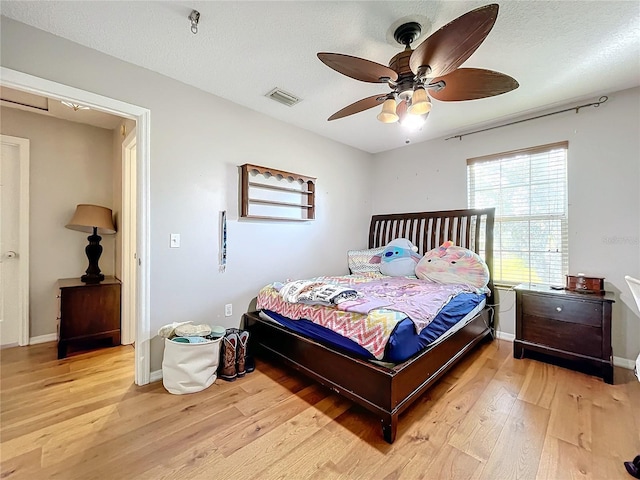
472, 229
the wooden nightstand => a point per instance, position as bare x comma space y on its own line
89, 313
568, 325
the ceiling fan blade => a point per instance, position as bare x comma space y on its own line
449, 47
359, 106
471, 84
358, 68
402, 110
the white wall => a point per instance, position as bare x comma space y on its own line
604, 192
70, 164
194, 159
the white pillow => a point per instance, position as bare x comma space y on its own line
358, 260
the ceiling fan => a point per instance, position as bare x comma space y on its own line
432, 66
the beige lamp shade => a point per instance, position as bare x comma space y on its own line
420, 103
87, 217
388, 113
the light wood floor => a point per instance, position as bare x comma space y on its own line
492, 417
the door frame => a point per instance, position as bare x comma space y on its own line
22, 144
129, 258
40, 86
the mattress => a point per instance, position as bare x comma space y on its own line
404, 342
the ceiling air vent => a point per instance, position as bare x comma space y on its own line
283, 97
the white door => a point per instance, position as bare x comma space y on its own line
14, 241
129, 228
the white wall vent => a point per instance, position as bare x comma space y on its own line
283, 97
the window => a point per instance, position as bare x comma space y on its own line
528, 189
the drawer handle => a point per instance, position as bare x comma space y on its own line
558, 309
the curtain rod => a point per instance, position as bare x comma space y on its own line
600, 101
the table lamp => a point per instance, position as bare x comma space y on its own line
95, 220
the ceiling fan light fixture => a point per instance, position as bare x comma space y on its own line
420, 103
436, 62
388, 113
414, 123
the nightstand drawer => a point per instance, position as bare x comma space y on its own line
566, 336
563, 309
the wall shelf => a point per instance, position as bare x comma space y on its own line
272, 194
282, 204
275, 187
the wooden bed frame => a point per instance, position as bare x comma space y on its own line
387, 392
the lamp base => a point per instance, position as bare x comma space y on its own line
92, 278
93, 251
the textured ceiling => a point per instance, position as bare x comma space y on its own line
559, 51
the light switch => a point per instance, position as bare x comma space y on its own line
174, 241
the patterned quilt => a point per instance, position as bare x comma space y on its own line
369, 319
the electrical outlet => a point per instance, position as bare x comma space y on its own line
228, 310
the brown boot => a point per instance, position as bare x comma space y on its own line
243, 337
250, 363
228, 370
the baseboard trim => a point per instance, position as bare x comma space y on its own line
50, 337
509, 337
624, 363
156, 375
617, 361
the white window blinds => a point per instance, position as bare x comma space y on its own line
528, 189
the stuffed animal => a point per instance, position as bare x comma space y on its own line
456, 265
398, 259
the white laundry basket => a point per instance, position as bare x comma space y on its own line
190, 367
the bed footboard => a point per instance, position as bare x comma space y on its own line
386, 392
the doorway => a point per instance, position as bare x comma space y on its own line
39, 86
14, 241
128, 227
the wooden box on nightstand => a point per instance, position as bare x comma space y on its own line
568, 325
89, 313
